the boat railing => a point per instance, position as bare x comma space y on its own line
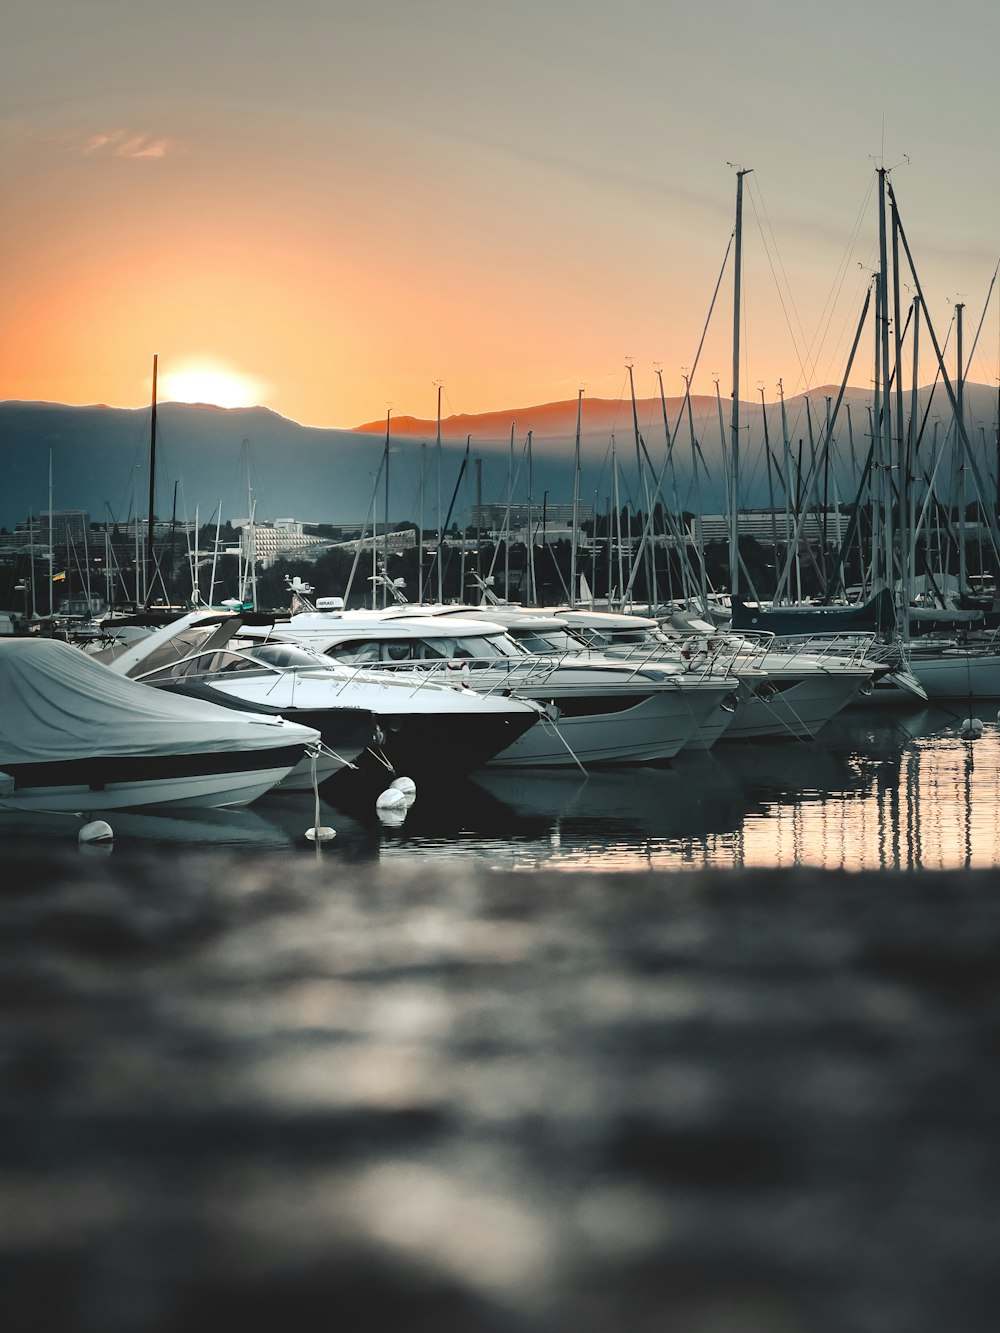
237, 661
491, 675
696, 658
852, 650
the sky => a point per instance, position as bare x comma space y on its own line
327, 206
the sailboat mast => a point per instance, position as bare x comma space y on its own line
440, 544
618, 523
51, 552
420, 535
911, 463
152, 491
506, 529
885, 428
643, 482
960, 413
573, 589
385, 542
734, 452
770, 477
532, 594
902, 471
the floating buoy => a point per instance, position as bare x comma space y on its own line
320, 833
407, 786
392, 806
972, 728
391, 799
96, 831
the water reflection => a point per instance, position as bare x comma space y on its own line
896, 791
877, 791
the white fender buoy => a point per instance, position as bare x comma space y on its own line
391, 806
972, 728
96, 831
407, 786
320, 833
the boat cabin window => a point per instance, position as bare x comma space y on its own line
552, 641
472, 647
627, 636
592, 637
469, 648
355, 650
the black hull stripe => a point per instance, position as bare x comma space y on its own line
102, 771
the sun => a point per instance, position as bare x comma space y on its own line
205, 382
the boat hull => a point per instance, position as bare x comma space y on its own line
632, 728
958, 675
442, 746
130, 782
794, 709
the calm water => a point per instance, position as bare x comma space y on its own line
880, 790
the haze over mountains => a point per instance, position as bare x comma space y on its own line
100, 456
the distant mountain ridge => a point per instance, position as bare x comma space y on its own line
602, 415
544, 420
315, 474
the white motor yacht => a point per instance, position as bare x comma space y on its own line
427, 729
598, 710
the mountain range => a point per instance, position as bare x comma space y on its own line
211, 456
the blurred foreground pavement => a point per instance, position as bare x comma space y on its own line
297, 1094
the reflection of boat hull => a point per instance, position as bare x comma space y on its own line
189, 827
129, 781
620, 806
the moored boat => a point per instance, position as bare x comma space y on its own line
76, 736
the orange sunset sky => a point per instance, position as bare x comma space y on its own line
327, 206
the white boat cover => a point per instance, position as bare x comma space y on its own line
56, 703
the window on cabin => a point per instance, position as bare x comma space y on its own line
355, 650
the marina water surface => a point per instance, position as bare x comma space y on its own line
881, 789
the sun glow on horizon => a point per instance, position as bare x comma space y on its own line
205, 382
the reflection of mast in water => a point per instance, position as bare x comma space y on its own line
797, 832
880, 803
894, 806
911, 767
967, 787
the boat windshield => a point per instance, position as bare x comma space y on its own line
202, 666
178, 647
285, 656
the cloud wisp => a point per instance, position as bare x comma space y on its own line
83, 143
122, 143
